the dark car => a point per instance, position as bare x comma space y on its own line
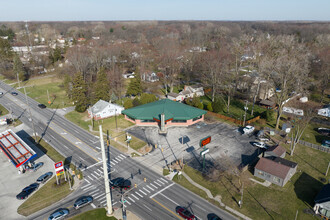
33, 186
41, 106
27, 191
35, 167
81, 202
185, 213
326, 143
14, 93
43, 178
213, 216
324, 131
120, 182
58, 214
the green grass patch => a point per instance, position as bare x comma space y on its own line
311, 135
3, 111
47, 195
166, 172
79, 119
99, 214
37, 89
134, 155
135, 143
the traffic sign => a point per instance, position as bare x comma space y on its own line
58, 166
204, 151
205, 141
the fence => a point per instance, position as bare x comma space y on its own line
239, 122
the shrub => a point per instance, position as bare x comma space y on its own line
80, 108
209, 107
136, 101
128, 103
269, 115
217, 106
200, 106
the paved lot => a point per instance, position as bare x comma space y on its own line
228, 146
11, 183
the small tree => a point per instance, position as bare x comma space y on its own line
136, 101
18, 68
128, 103
147, 98
217, 105
102, 87
209, 107
134, 87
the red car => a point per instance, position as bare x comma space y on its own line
185, 213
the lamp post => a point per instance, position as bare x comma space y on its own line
245, 109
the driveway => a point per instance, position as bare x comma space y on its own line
228, 146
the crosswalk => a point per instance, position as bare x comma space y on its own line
144, 191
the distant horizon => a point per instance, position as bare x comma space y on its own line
289, 21
170, 10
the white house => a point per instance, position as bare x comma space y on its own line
150, 77
103, 109
325, 111
175, 97
129, 75
191, 91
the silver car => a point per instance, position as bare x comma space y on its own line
81, 202
59, 214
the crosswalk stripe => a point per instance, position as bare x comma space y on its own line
142, 192
94, 206
160, 182
135, 197
99, 196
90, 178
154, 185
114, 160
93, 191
139, 194
122, 156
130, 199
99, 199
163, 180
86, 185
118, 158
87, 181
150, 188
128, 202
93, 176
97, 173
113, 164
99, 159
146, 190
157, 183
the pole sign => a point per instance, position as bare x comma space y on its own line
204, 151
205, 141
59, 168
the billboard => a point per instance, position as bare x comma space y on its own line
205, 141
59, 169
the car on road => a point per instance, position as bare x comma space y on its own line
35, 167
324, 131
248, 129
59, 214
81, 202
120, 182
260, 144
27, 191
42, 106
185, 213
1, 93
14, 93
43, 178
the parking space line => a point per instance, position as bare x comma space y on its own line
150, 188
142, 192
146, 190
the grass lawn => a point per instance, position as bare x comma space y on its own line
311, 135
37, 89
98, 214
272, 202
3, 111
45, 196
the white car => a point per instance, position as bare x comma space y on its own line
248, 129
260, 145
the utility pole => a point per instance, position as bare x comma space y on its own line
326, 173
19, 84
116, 117
27, 103
245, 109
241, 201
106, 176
48, 96
92, 116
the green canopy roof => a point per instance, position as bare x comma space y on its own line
171, 109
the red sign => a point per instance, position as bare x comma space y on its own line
58, 166
205, 141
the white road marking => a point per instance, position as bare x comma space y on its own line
86, 185
150, 188
135, 197
65, 147
147, 207
81, 158
157, 183
122, 156
94, 206
92, 186
93, 191
98, 148
92, 165
93, 176
96, 173
169, 199
87, 181
161, 190
119, 159
154, 186
112, 163
163, 180
99, 159
130, 199
99, 196
146, 190
100, 168
90, 178
160, 182
139, 194
128, 202
63, 133
77, 142
52, 136
142, 192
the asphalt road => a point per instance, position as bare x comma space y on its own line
156, 198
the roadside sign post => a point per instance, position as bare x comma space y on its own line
59, 169
203, 142
203, 152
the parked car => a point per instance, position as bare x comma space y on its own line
36, 167
120, 182
263, 139
27, 191
260, 145
1, 93
213, 216
185, 213
43, 178
59, 214
33, 186
326, 143
14, 93
248, 129
324, 131
42, 106
81, 202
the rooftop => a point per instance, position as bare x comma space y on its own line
277, 149
275, 166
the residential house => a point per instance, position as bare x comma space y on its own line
129, 75
322, 202
150, 77
267, 104
175, 97
293, 111
275, 151
103, 109
275, 170
191, 91
325, 111
81, 39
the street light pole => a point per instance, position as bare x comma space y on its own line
245, 108
106, 176
27, 103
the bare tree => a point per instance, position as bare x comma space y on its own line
80, 59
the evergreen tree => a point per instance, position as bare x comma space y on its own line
5, 50
79, 91
147, 98
136, 101
134, 87
128, 103
217, 105
102, 87
19, 69
209, 107
67, 83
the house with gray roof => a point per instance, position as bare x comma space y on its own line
322, 202
275, 151
275, 170
103, 109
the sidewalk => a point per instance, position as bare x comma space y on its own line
216, 198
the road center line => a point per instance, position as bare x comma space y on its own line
167, 208
161, 190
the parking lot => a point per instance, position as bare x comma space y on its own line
11, 183
228, 146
